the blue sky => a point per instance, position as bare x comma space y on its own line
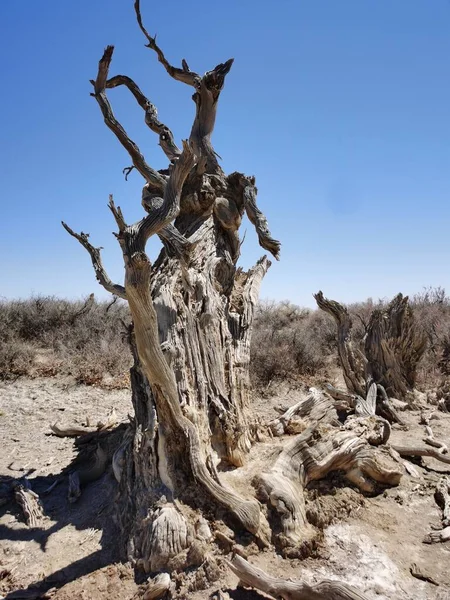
340, 108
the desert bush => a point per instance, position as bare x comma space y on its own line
48, 335
289, 342
44, 335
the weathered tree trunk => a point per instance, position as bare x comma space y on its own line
192, 313
389, 353
192, 320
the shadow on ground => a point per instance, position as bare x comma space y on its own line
93, 513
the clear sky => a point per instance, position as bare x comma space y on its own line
340, 108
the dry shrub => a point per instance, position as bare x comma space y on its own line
45, 335
431, 310
289, 342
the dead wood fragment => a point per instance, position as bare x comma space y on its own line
389, 355
419, 574
429, 438
29, 503
421, 451
76, 430
436, 537
158, 587
442, 497
284, 589
311, 456
316, 406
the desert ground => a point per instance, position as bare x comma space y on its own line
373, 543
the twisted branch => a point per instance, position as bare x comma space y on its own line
100, 273
153, 178
166, 139
184, 74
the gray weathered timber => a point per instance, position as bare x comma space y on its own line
389, 355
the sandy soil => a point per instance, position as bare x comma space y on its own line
372, 544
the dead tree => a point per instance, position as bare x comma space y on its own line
388, 354
192, 312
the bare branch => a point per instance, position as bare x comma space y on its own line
352, 362
206, 99
164, 213
184, 74
150, 175
100, 273
166, 140
258, 219
127, 171
117, 214
421, 451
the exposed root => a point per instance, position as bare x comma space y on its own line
291, 590
311, 456
166, 535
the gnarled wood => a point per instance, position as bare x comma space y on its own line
311, 456
352, 360
276, 587
29, 503
389, 355
192, 312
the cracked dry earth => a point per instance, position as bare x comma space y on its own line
372, 545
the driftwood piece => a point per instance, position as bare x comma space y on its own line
158, 587
421, 451
315, 407
310, 456
77, 430
275, 587
429, 438
389, 354
29, 503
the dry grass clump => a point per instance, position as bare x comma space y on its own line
45, 335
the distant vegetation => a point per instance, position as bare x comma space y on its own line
291, 342
47, 336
